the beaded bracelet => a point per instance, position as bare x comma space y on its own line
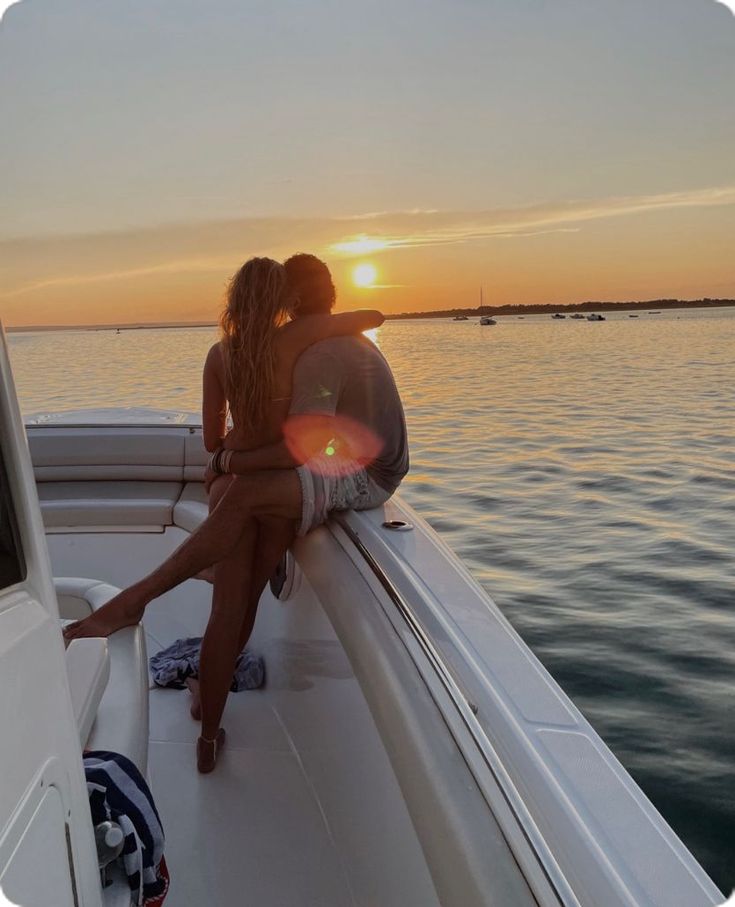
226, 461
219, 462
214, 464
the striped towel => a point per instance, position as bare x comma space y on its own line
173, 665
118, 793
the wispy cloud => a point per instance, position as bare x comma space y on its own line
430, 228
371, 215
79, 280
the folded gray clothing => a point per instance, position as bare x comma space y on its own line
172, 666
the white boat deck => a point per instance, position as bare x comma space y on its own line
303, 807
290, 815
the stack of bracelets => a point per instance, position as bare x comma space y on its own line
219, 462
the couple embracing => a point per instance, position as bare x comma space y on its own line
317, 426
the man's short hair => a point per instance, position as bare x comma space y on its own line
310, 285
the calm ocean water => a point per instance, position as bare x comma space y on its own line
586, 474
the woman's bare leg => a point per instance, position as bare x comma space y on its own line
215, 493
220, 646
274, 539
275, 493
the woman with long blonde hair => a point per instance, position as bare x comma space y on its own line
248, 374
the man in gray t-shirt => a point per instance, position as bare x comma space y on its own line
344, 393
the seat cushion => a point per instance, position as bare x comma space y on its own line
72, 504
192, 507
195, 456
73, 453
121, 723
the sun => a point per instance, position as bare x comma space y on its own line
364, 275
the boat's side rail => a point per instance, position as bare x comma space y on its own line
467, 854
602, 839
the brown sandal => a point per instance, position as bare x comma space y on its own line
208, 751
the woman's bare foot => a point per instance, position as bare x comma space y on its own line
124, 610
196, 702
208, 751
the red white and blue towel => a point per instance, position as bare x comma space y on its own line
119, 793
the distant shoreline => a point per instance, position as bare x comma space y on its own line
550, 309
137, 326
542, 309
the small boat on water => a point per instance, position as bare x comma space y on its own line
593, 317
655, 313
632, 316
578, 316
406, 750
460, 318
557, 315
485, 319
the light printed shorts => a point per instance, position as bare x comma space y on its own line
328, 484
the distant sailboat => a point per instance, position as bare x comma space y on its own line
485, 319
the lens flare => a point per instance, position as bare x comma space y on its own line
335, 444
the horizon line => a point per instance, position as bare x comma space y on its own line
702, 302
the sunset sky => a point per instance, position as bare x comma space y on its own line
549, 150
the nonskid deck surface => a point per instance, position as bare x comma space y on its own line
303, 807
284, 813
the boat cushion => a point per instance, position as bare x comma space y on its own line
192, 507
195, 456
121, 722
65, 454
72, 504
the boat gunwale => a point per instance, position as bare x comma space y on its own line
467, 711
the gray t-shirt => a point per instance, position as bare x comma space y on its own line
348, 377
